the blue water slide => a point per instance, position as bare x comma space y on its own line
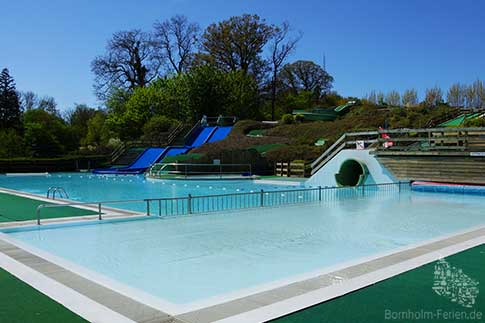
220, 133
174, 151
203, 136
141, 163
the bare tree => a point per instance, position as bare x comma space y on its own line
49, 104
176, 39
456, 95
372, 97
29, 100
281, 47
410, 98
393, 98
433, 96
130, 61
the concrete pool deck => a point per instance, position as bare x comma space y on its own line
85, 297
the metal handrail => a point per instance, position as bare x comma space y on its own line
199, 203
57, 189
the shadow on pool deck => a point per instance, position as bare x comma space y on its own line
426, 294
16, 208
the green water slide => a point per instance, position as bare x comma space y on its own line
460, 120
325, 114
351, 173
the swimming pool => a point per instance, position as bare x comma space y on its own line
189, 259
93, 188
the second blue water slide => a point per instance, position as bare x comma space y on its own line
202, 137
144, 161
219, 133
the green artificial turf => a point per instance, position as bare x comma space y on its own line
16, 208
408, 293
20, 303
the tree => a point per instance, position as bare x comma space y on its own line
281, 48
306, 76
433, 96
410, 98
236, 44
29, 100
97, 133
130, 61
157, 127
10, 110
78, 119
176, 39
372, 97
456, 95
474, 95
47, 135
393, 98
48, 104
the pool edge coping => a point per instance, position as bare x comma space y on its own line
230, 309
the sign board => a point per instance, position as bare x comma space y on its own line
477, 154
360, 145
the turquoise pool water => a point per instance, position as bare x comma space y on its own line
190, 258
94, 188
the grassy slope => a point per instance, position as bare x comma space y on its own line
300, 138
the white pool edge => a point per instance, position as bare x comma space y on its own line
179, 309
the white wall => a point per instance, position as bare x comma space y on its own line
326, 175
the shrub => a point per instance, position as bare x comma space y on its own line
157, 127
477, 122
299, 117
288, 119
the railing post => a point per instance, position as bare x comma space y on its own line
148, 207
399, 186
319, 193
261, 203
99, 212
38, 214
189, 204
363, 189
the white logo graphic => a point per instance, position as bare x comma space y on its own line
452, 283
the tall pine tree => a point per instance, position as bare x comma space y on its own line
10, 111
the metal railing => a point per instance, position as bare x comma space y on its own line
366, 137
190, 169
51, 192
405, 140
245, 200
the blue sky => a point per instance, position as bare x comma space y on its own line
381, 44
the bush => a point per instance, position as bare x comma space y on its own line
296, 152
12, 145
156, 128
299, 117
477, 122
288, 119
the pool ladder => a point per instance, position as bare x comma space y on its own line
51, 192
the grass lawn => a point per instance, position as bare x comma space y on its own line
16, 208
20, 303
411, 291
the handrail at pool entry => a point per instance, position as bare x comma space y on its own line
192, 204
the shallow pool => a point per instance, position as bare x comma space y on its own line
190, 258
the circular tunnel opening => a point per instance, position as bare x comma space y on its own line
351, 173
